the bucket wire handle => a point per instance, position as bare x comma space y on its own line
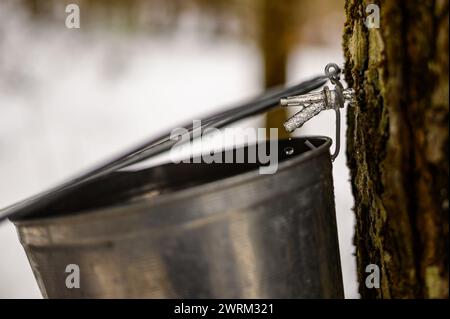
334, 76
314, 103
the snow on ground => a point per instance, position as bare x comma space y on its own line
69, 100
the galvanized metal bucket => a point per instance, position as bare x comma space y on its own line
195, 231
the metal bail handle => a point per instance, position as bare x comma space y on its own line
313, 103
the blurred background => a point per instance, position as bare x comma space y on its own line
71, 98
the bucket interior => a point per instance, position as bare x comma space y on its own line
127, 186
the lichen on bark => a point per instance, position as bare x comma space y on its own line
398, 145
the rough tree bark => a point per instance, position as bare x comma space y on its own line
398, 145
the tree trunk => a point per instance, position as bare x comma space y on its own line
275, 41
398, 145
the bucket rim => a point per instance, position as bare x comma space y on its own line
141, 203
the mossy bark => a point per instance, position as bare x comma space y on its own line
397, 145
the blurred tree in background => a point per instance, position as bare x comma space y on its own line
275, 27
